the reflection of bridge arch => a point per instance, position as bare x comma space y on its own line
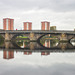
60, 45
37, 46
42, 45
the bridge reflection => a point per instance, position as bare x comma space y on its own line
28, 48
46, 45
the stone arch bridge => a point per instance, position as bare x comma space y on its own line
37, 34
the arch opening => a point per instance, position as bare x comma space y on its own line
22, 43
72, 41
49, 41
20, 37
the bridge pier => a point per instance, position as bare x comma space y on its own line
63, 37
7, 37
34, 37
34, 45
66, 37
8, 45
64, 45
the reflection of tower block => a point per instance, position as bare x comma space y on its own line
45, 53
32, 36
24, 44
8, 54
47, 44
27, 53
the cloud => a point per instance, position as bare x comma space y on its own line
55, 5
59, 12
56, 69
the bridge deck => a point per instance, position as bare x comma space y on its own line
37, 31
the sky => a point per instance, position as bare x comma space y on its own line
60, 13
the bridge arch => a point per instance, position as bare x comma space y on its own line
15, 35
38, 40
72, 38
57, 36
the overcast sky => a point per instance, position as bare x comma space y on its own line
60, 13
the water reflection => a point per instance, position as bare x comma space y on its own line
73, 43
45, 53
22, 43
46, 44
27, 53
8, 54
30, 58
28, 48
49, 43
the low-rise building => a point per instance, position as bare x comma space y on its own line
53, 28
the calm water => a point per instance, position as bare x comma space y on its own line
32, 58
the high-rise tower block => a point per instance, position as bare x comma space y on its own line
27, 25
45, 25
8, 24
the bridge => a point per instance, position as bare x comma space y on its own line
37, 34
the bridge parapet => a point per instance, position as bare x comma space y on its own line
37, 31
